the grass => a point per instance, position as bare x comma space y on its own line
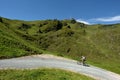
41, 74
99, 43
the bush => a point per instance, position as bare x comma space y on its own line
68, 32
24, 26
1, 20
52, 26
64, 23
73, 21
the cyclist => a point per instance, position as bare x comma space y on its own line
83, 59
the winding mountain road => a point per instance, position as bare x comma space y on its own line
44, 60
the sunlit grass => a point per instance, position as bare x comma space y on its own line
41, 74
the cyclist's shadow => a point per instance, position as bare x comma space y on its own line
86, 65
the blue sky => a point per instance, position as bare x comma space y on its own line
86, 11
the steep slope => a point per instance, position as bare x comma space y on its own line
11, 45
67, 38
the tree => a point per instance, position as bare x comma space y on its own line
1, 20
73, 21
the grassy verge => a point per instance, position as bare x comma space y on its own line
41, 74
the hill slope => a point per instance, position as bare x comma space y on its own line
68, 38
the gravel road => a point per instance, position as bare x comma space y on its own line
37, 61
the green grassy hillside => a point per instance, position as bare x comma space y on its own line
41, 74
67, 38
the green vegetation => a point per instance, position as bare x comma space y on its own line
41, 74
67, 38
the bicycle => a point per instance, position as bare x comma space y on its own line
84, 64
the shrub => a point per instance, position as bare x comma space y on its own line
73, 21
64, 23
68, 32
24, 26
52, 26
1, 20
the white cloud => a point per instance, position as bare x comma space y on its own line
102, 20
82, 21
108, 19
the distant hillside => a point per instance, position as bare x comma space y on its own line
67, 38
